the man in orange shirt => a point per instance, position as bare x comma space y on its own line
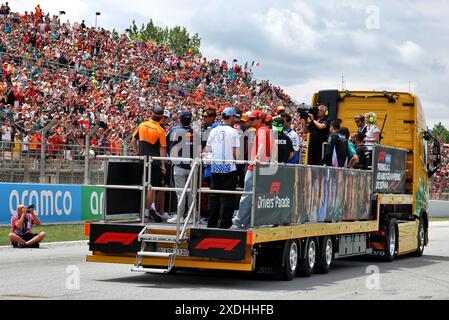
149, 140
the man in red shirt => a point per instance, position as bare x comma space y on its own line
260, 153
22, 224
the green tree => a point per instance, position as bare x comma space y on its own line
441, 131
176, 39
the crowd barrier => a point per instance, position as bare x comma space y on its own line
54, 204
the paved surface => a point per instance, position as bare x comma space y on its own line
48, 273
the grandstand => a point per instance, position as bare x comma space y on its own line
81, 77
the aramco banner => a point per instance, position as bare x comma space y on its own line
53, 203
308, 194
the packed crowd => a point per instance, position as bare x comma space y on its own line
440, 181
82, 77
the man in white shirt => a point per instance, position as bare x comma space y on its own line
223, 144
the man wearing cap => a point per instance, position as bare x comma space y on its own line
223, 144
149, 140
180, 145
283, 142
261, 151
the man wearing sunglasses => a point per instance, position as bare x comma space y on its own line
360, 123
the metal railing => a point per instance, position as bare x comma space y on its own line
29, 162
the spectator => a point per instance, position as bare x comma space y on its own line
22, 223
223, 143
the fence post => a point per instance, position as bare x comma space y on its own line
43, 151
86, 155
125, 144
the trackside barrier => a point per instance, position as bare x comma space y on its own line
53, 203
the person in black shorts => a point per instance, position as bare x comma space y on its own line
149, 140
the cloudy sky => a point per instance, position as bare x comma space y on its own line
304, 46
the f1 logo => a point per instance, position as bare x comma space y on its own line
218, 243
275, 188
117, 237
381, 157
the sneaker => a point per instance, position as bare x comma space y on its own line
165, 216
203, 221
174, 219
22, 245
155, 216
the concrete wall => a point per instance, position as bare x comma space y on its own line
439, 209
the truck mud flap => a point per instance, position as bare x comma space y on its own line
219, 244
114, 238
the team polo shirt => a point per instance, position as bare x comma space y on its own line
151, 138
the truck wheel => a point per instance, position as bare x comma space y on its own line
391, 238
324, 260
287, 269
307, 262
421, 239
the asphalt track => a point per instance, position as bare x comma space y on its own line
52, 272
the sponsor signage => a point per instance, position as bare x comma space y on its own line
92, 203
389, 170
53, 203
114, 238
274, 196
220, 244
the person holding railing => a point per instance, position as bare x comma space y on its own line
223, 144
261, 152
180, 145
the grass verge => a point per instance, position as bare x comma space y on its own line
439, 219
55, 233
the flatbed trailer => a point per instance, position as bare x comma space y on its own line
285, 240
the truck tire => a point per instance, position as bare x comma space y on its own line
308, 259
391, 241
288, 268
421, 239
325, 256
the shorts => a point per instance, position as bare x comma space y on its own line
156, 175
26, 237
168, 177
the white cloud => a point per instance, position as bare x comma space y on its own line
410, 52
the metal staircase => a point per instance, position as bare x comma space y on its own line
150, 240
